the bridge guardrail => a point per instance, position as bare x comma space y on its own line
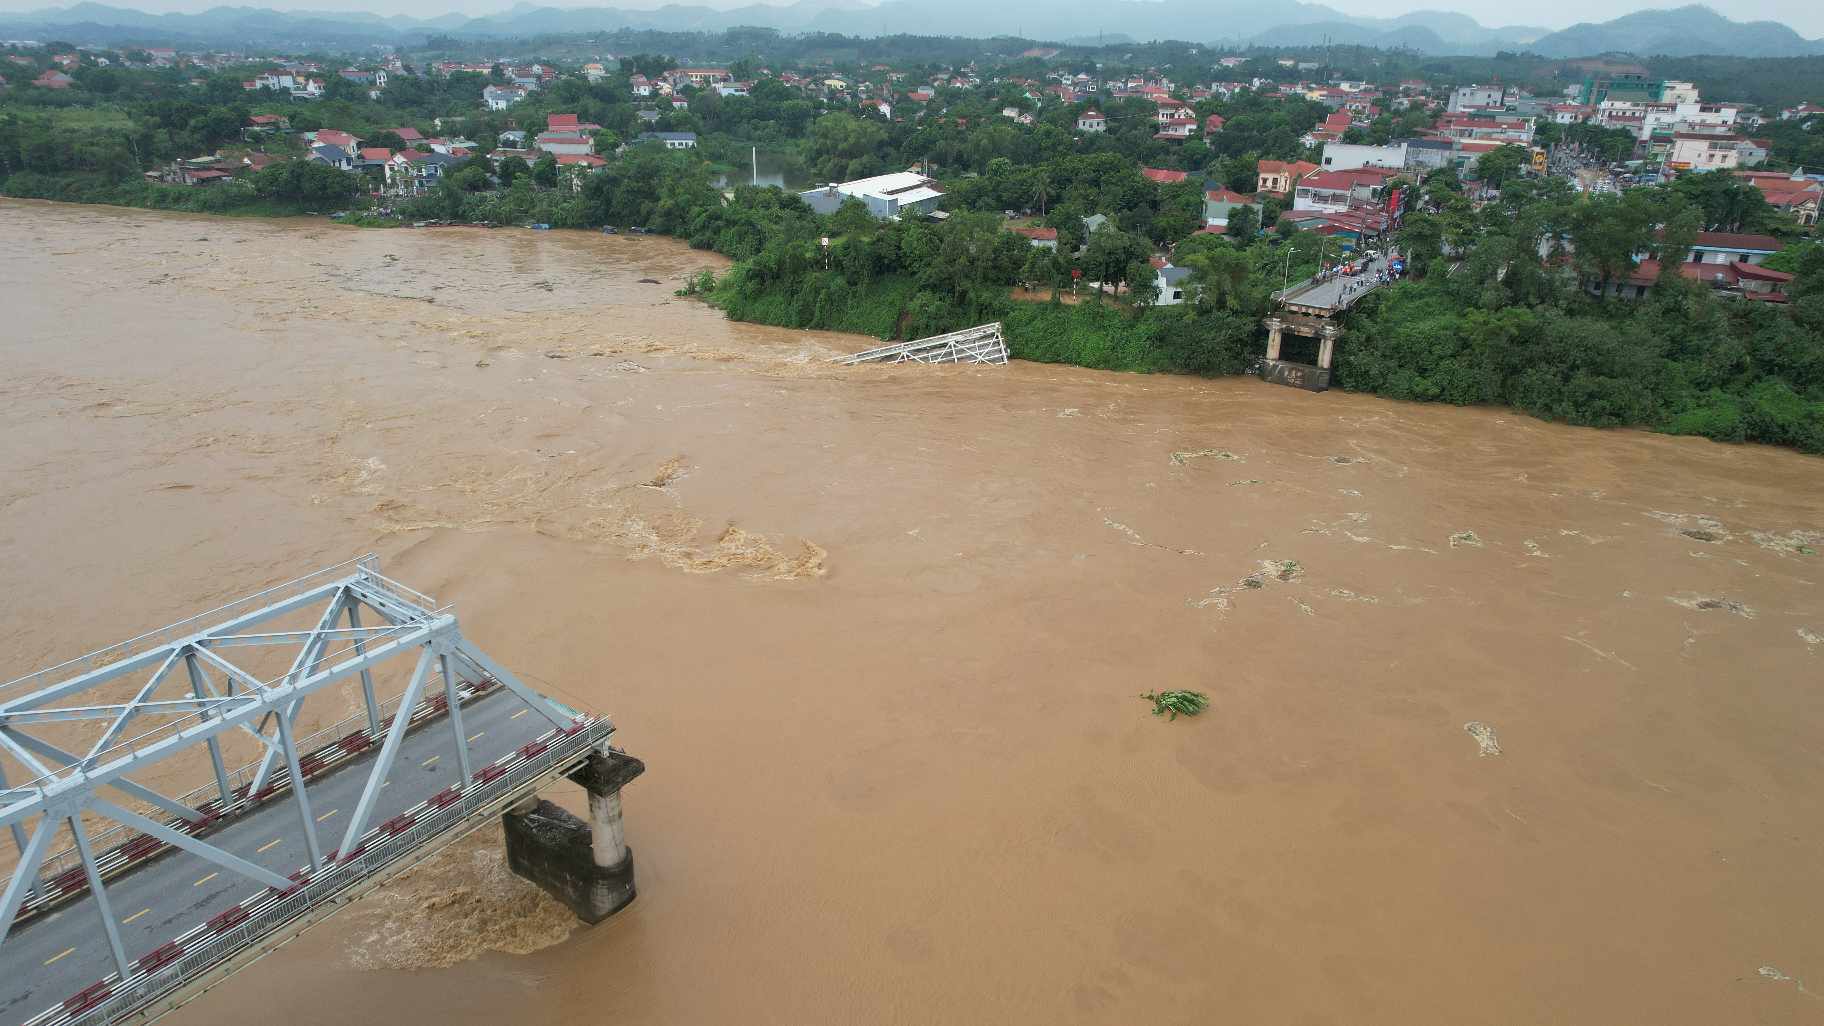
170, 967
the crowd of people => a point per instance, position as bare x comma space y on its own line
1358, 275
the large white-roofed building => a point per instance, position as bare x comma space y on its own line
887, 197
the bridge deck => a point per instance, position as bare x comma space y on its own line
1335, 294
52, 957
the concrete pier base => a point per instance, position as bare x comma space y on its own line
587, 866
1298, 375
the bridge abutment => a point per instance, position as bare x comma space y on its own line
586, 865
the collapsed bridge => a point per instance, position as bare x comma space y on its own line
157, 893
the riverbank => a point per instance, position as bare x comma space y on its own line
1683, 362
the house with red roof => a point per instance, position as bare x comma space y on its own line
1792, 194
1212, 125
1092, 121
1337, 191
53, 80
407, 135
1177, 128
567, 124
1041, 238
336, 137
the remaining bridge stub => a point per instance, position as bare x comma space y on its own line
1298, 375
587, 866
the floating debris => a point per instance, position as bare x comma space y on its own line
1486, 743
1792, 543
1281, 571
1465, 539
1707, 604
1811, 638
1182, 458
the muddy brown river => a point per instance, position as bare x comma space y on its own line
1510, 722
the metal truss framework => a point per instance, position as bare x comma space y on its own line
212, 696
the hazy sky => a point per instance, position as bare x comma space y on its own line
1806, 16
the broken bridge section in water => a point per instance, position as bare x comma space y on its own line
157, 895
983, 343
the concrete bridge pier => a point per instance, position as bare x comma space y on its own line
587, 866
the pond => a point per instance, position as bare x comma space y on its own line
785, 170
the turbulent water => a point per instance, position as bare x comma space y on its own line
1509, 722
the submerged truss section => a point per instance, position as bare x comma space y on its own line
983, 343
186, 689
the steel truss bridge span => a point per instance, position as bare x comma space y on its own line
236, 680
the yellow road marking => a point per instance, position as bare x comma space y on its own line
205, 879
477, 734
135, 915
518, 714
268, 846
60, 954
430, 760
328, 814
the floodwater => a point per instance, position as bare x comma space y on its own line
1509, 722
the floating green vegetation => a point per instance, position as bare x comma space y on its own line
1177, 703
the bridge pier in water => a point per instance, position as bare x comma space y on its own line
586, 865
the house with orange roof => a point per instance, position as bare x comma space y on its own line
1279, 177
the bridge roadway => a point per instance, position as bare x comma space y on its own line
52, 957
1334, 293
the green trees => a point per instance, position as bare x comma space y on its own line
308, 183
1111, 254
1728, 203
1499, 165
843, 147
1243, 225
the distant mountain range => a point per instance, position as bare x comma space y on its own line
1680, 31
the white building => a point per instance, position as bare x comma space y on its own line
1704, 151
1092, 121
887, 197
502, 97
1475, 97
1346, 156
672, 140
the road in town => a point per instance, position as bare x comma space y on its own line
47, 959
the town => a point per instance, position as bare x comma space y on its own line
918, 198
